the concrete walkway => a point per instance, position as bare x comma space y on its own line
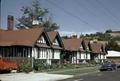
32, 77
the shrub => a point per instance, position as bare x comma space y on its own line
24, 68
38, 65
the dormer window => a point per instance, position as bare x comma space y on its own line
55, 42
87, 48
41, 40
81, 47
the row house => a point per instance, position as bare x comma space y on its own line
97, 51
74, 51
56, 45
48, 47
31, 43
78, 50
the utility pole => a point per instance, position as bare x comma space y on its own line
0, 13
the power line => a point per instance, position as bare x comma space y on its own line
108, 11
104, 11
0, 13
86, 8
71, 14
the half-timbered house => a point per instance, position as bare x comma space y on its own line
74, 51
97, 51
25, 43
56, 46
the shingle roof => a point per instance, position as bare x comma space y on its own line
52, 35
72, 44
25, 37
95, 47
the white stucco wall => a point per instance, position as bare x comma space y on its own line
83, 56
102, 57
74, 59
88, 56
78, 55
105, 57
49, 54
34, 52
56, 54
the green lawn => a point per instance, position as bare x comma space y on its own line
76, 71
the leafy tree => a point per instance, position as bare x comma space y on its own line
112, 45
108, 31
35, 13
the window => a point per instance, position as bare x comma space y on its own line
87, 48
81, 47
41, 40
55, 42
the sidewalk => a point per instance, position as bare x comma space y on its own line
32, 77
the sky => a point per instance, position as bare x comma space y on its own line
73, 16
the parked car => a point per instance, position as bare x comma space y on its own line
108, 66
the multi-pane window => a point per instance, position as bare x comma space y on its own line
81, 47
41, 40
55, 42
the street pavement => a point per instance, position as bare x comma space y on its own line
32, 77
100, 76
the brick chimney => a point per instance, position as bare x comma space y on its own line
10, 22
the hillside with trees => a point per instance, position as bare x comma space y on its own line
110, 40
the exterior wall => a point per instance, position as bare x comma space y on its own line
83, 56
74, 58
46, 54
56, 54
105, 57
88, 56
34, 52
43, 54
78, 57
102, 57
99, 57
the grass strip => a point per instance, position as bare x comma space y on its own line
76, 71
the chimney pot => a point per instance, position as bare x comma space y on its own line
10, 22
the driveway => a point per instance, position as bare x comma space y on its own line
32, 77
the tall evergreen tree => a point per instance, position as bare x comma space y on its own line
35, 13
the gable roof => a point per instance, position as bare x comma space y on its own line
86, 44
52, 36
1, 29
95, 47
25, 37
72, 44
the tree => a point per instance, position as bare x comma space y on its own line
35, 13
108, 31
112, 45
